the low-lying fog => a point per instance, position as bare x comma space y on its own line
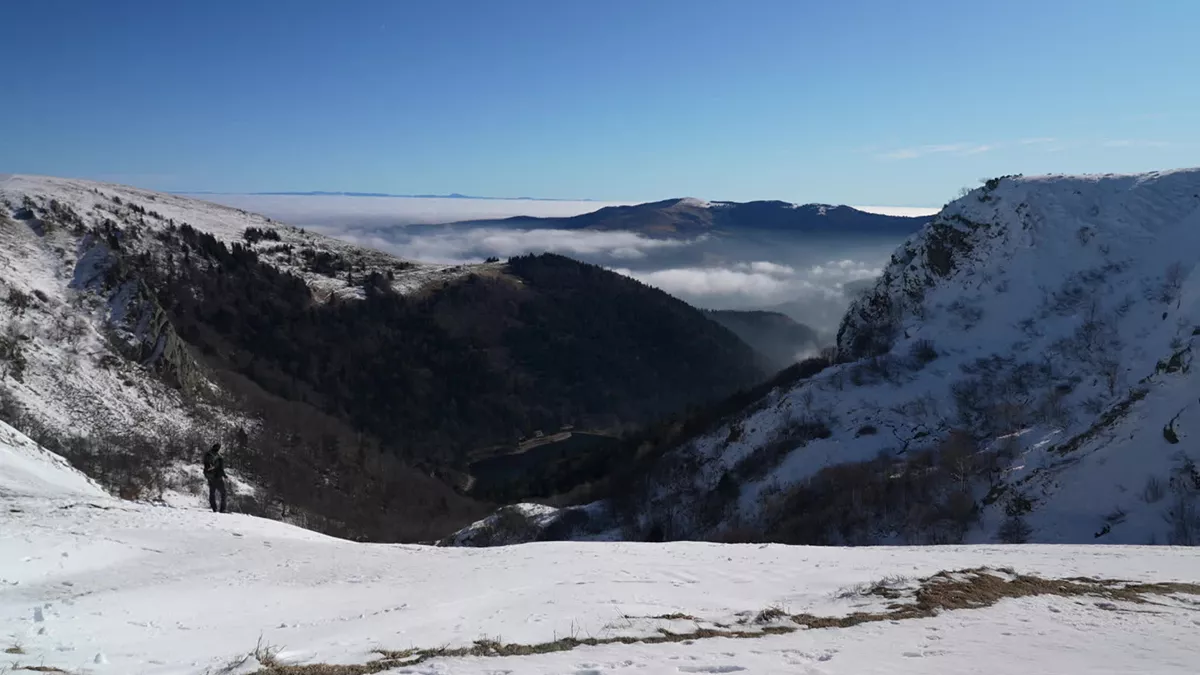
807, 277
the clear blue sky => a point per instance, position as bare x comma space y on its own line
853, 101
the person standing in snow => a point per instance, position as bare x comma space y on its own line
214, 472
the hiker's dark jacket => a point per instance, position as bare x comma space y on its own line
214, 466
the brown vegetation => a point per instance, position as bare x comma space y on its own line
945, 591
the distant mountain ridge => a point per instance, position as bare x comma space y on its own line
324, 193
693, 217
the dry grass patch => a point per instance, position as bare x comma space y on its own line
677, 616
945, 591
770, 615
890, 587
982, 587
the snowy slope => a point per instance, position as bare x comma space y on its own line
88, 350
96, 585
62, 369
1052, 319
95, 201
32, 472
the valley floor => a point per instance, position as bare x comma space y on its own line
91, 584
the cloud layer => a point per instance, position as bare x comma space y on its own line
460, 245
804, 277
762, 284
960, 149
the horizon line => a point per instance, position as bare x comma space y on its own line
909, 211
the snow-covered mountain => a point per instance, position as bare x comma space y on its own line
86, 351
138, 328
59, 307
1022, 370
94, 585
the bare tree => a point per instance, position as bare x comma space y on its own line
1014, 530
1172, 282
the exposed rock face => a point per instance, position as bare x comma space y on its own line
1020, 370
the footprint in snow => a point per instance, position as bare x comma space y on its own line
710, 669
798, 658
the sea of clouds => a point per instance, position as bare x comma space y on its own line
810, 278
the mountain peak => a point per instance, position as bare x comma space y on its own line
689, 216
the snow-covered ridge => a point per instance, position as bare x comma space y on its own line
1049, 320
523, 523
95, 202
78, 353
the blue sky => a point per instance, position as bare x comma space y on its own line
855, 101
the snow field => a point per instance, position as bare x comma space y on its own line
91, 584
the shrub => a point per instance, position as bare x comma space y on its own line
254, 235
1172, 282
12, 355
1014, 530
1154, 490
1183, 516
922, 353
1018, 505
882, 366
1184, 520
19, 300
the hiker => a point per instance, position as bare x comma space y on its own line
214, 472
